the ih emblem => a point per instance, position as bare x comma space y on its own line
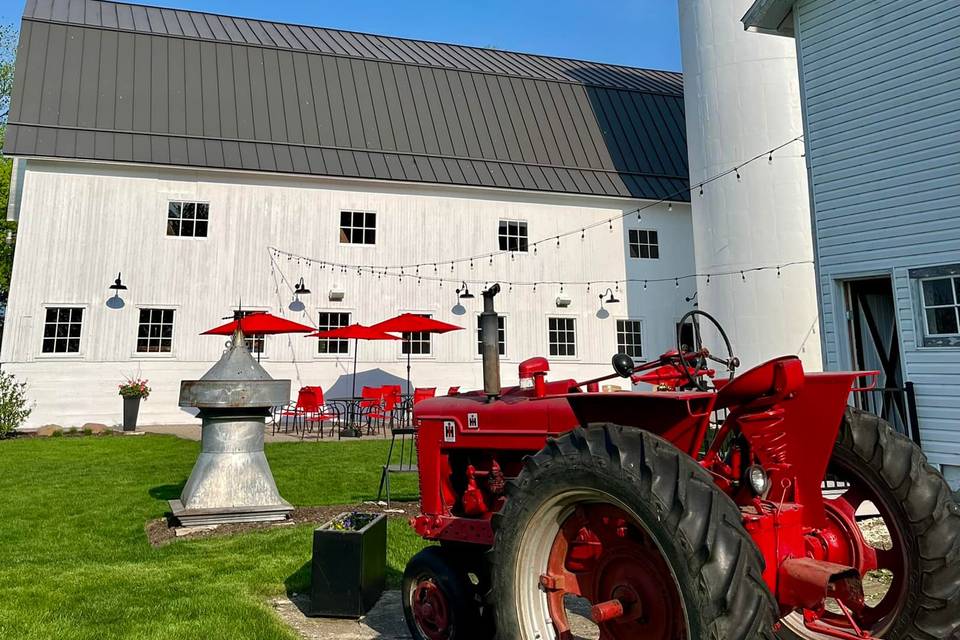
473, 422
449, 431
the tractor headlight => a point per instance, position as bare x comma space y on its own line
757, 478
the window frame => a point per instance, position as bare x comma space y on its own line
576, 340
503, 356
139, 355
347, 341
926, 340
432, 355
180, 236
651, 246
523, 240
67, 355
364, 228
641, 333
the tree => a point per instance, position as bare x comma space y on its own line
8, 230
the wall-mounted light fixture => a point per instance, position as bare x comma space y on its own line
118, 285
301, 289
116, 302
464, 292
335, 294
610, 300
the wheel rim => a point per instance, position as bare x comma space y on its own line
431, 613
844, 542
589, 545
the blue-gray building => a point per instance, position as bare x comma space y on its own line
880, 85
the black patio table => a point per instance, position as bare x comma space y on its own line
353, 412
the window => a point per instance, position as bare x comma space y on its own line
513, 235
630, 338
562, 336
61, 330
255, 344
501, 336
941, 305
188, 219
644, 244
155, 332
416, 343
332, 320
358, 227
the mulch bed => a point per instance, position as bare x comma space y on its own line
163, 531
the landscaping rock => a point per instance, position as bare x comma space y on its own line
48, 430
95, 428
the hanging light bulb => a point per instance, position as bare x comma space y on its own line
583, 233
737, 170
743, 276
558, 242
676, 282
644, 285
701, 190
669, 206
770, 158
778, 271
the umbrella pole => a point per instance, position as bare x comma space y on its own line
353, 392
409, 390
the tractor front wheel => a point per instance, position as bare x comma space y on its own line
439, 601
621, 527
876, 470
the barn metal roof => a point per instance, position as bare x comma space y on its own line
130, 83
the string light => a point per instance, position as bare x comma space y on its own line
743, 276
384, 272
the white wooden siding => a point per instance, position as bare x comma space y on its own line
81, 223
881, 84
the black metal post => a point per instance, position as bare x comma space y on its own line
912, 410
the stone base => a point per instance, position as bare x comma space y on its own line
206, 517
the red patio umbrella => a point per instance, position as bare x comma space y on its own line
259, 323
357, 332
408, 323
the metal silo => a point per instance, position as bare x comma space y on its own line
743, 98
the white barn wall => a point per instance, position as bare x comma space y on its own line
81, 223
881, 83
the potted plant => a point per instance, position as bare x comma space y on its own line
132, 391
349, 565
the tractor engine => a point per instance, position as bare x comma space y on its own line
727, 506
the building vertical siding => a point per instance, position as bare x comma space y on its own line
83, 222
881, 85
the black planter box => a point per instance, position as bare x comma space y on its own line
348, 569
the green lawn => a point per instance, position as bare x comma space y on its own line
75, 562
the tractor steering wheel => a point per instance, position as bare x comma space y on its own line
693, 358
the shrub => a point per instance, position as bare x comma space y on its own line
15, 408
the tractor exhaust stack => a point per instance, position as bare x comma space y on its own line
489, 338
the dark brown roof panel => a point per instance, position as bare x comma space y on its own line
130, 83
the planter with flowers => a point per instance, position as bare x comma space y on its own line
349, 565
132, 391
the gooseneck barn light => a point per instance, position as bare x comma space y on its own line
118, 285
300, 289
464, 292
611, 300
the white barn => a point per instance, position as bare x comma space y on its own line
177, 148
880, 83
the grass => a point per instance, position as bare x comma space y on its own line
75, 562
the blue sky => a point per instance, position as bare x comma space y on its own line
641, 33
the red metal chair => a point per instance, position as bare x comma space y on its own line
452, 391
307, 412
370, 405
316, 412
390, 404
423, 394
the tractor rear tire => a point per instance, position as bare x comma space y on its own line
681, 522
923, 518
439, 601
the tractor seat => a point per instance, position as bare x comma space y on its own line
764, 385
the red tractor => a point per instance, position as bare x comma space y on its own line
717, 506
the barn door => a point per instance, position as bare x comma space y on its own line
875, 345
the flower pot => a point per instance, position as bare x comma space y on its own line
348, 569
131, 408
